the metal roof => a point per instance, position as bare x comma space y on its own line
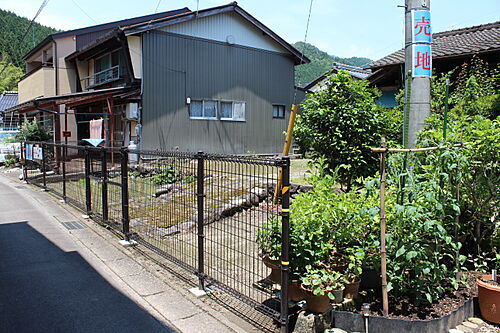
300, 58
8, 99
106, 26
39, 100
472, 40
356, 72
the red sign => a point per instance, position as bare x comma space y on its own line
66, 134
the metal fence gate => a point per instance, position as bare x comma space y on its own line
207, 213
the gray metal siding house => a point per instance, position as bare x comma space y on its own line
205, 70
219, 59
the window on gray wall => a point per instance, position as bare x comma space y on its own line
278, 111
203, 110
232, 111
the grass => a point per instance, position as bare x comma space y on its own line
299, 171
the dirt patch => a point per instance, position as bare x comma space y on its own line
405, 309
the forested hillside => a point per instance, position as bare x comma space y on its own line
320, 63
12, 47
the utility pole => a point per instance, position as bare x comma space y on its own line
418, 67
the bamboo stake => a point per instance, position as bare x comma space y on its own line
286, 148
414, 150
383, 256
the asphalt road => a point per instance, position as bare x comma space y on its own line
45, 283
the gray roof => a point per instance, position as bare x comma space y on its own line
356, 72
105, 27
466, 41
8, 99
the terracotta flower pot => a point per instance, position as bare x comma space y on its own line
274, 264
320, 304
316, 304
295, 292
352, 289
489, 300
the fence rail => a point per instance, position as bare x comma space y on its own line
204, 212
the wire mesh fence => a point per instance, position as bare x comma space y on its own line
204, 212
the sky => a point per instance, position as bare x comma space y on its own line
363, 28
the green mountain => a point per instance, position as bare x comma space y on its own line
320, 63
12, 28
13, 47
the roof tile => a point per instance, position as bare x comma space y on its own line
454, 42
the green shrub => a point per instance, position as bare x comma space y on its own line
33, 131
340, 123
11, 160
168, 175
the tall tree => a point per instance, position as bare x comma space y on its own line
9, 76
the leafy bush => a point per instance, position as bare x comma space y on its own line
341, 123
322, 280
33, 131
479, 228
168, 175
11, 160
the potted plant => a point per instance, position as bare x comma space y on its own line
320, 285
269, 241
356, 256
489, 298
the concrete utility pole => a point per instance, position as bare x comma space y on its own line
418, 64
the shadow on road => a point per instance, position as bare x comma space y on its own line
44, 289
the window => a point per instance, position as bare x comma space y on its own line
108, 60
278, 111
203, 110
232, 111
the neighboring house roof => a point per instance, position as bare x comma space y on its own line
356, 72
232, 7
453, 43
105, 27
8, 99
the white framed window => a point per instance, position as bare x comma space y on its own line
204, 109
278, 111
234, 111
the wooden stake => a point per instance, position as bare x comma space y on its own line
286, 148
383, 256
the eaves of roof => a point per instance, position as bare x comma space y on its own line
479, 39
233, 6
104, 26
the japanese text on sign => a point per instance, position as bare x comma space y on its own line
421, 25
422, 60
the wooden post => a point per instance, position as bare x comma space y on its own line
286, 148
383, 255
111, 128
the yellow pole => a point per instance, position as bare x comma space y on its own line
286, 147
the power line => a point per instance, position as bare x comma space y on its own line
158, 5
42, 6
81, 9
304, 46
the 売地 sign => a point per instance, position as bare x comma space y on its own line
421, 46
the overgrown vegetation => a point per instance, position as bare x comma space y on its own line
442, 206
33, 131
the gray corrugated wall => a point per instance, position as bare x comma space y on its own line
177, 67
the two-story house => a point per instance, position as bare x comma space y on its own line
216, 80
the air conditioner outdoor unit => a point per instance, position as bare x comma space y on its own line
132, 111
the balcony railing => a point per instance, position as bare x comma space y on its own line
103, 77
